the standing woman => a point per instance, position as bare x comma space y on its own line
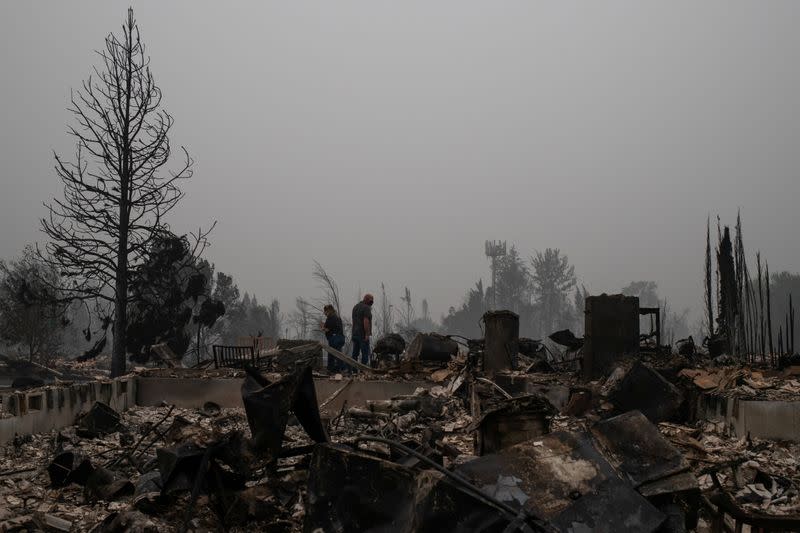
334, 333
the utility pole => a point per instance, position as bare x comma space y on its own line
495, 249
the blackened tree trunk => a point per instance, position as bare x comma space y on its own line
118, 351
769, 311
728, 303
762, 336
708, 283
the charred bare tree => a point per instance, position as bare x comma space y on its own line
708, 285
408, 314
744, 328
728, 301
791, 326
328, 286
117, 191
762, 337
769, 313
788, 337
386, 313
752, 318
719, 283
302, 318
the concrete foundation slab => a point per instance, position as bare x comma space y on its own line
194, 392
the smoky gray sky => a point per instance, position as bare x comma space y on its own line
388, 140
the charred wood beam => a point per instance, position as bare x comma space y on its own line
349, 360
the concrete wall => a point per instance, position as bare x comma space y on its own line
764, 419
43, 410
56, 407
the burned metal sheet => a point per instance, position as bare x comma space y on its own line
181, 466
563, 477
98, 421
636, 448
645, 390
267, 406
673, 484
103, 484
69, 467
350, 490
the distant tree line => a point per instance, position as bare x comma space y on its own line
542, 290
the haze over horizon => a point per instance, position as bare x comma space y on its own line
388, 141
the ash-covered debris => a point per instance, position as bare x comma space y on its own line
529, 447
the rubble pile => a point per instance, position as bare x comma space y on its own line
526, 449
74, 479
21, 374
759, 476
735, 381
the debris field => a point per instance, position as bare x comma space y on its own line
487, 444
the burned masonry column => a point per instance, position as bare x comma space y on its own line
502, 341
611, 332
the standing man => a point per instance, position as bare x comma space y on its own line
362, 328
334, 333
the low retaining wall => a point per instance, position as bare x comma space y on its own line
765, 419
55, 407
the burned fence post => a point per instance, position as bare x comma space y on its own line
502, 341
